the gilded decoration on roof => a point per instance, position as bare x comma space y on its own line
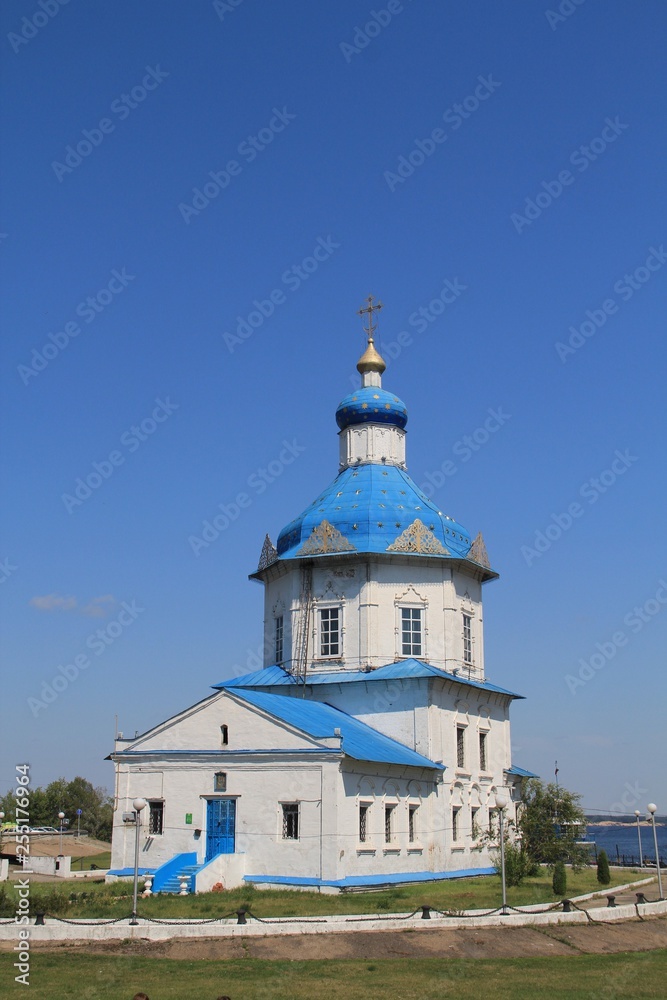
478, 552
268, 555
325, 538
418, 538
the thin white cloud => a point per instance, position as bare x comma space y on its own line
99, 607
53, 602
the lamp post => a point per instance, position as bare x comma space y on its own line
652, 810
639, 838
2, 820
61, 817
138, 805
501, 802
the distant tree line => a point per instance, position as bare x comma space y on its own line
96, 806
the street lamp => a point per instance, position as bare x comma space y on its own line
138, 805
2, 820
501, 802
61, 817
639, 838
652, 807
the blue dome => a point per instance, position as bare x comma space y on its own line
369, 507
371, 405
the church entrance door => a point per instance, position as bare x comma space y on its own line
220, 827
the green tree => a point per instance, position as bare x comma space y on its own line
66, 796
559, 880
550, 823
604, 877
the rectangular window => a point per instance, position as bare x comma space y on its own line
467, 639
473, 823
363, 823
155, 817
389, 824
460, 746
483, 762
330, 632
220, 781
411, 631
456, 826
279, 627
290, 820
412, 824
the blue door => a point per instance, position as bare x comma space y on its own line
220, 827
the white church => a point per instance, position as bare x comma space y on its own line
370, 748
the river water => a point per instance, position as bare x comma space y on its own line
623, 840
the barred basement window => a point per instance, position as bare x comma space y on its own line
412, 824
279, 634
411, 631
363, 823
460, 746
330, 632
155, 817
483, 761
467, 639
290, 820
455, 823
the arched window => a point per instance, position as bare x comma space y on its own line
224, 735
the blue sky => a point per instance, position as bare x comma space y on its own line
494, 172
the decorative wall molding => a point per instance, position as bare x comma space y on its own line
325, 538
418, 538
268, 555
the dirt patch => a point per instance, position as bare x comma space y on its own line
492, 942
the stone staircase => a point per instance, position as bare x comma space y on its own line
173, 884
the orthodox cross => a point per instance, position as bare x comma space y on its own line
370, 309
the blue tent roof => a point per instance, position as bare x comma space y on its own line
370, 506
277, 677
319, 721
520, 772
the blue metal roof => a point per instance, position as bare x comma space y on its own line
371, 505
277, 677
319, 720
371, 405
520, 772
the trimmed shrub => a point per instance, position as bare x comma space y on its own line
604, 877
559, 881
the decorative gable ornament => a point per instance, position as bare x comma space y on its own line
478, 552
418, 538
325, 538
269, 554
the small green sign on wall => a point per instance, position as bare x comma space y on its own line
188, 818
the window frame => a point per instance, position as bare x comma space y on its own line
290, 811
411, 613
325, 614
155, 809
413, 823
390, 823
456, 824
460, 747
279, 639
483, 750
468, 658
220, 781
363, 825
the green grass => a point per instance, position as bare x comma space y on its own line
57, 977
114, 900
99, 860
